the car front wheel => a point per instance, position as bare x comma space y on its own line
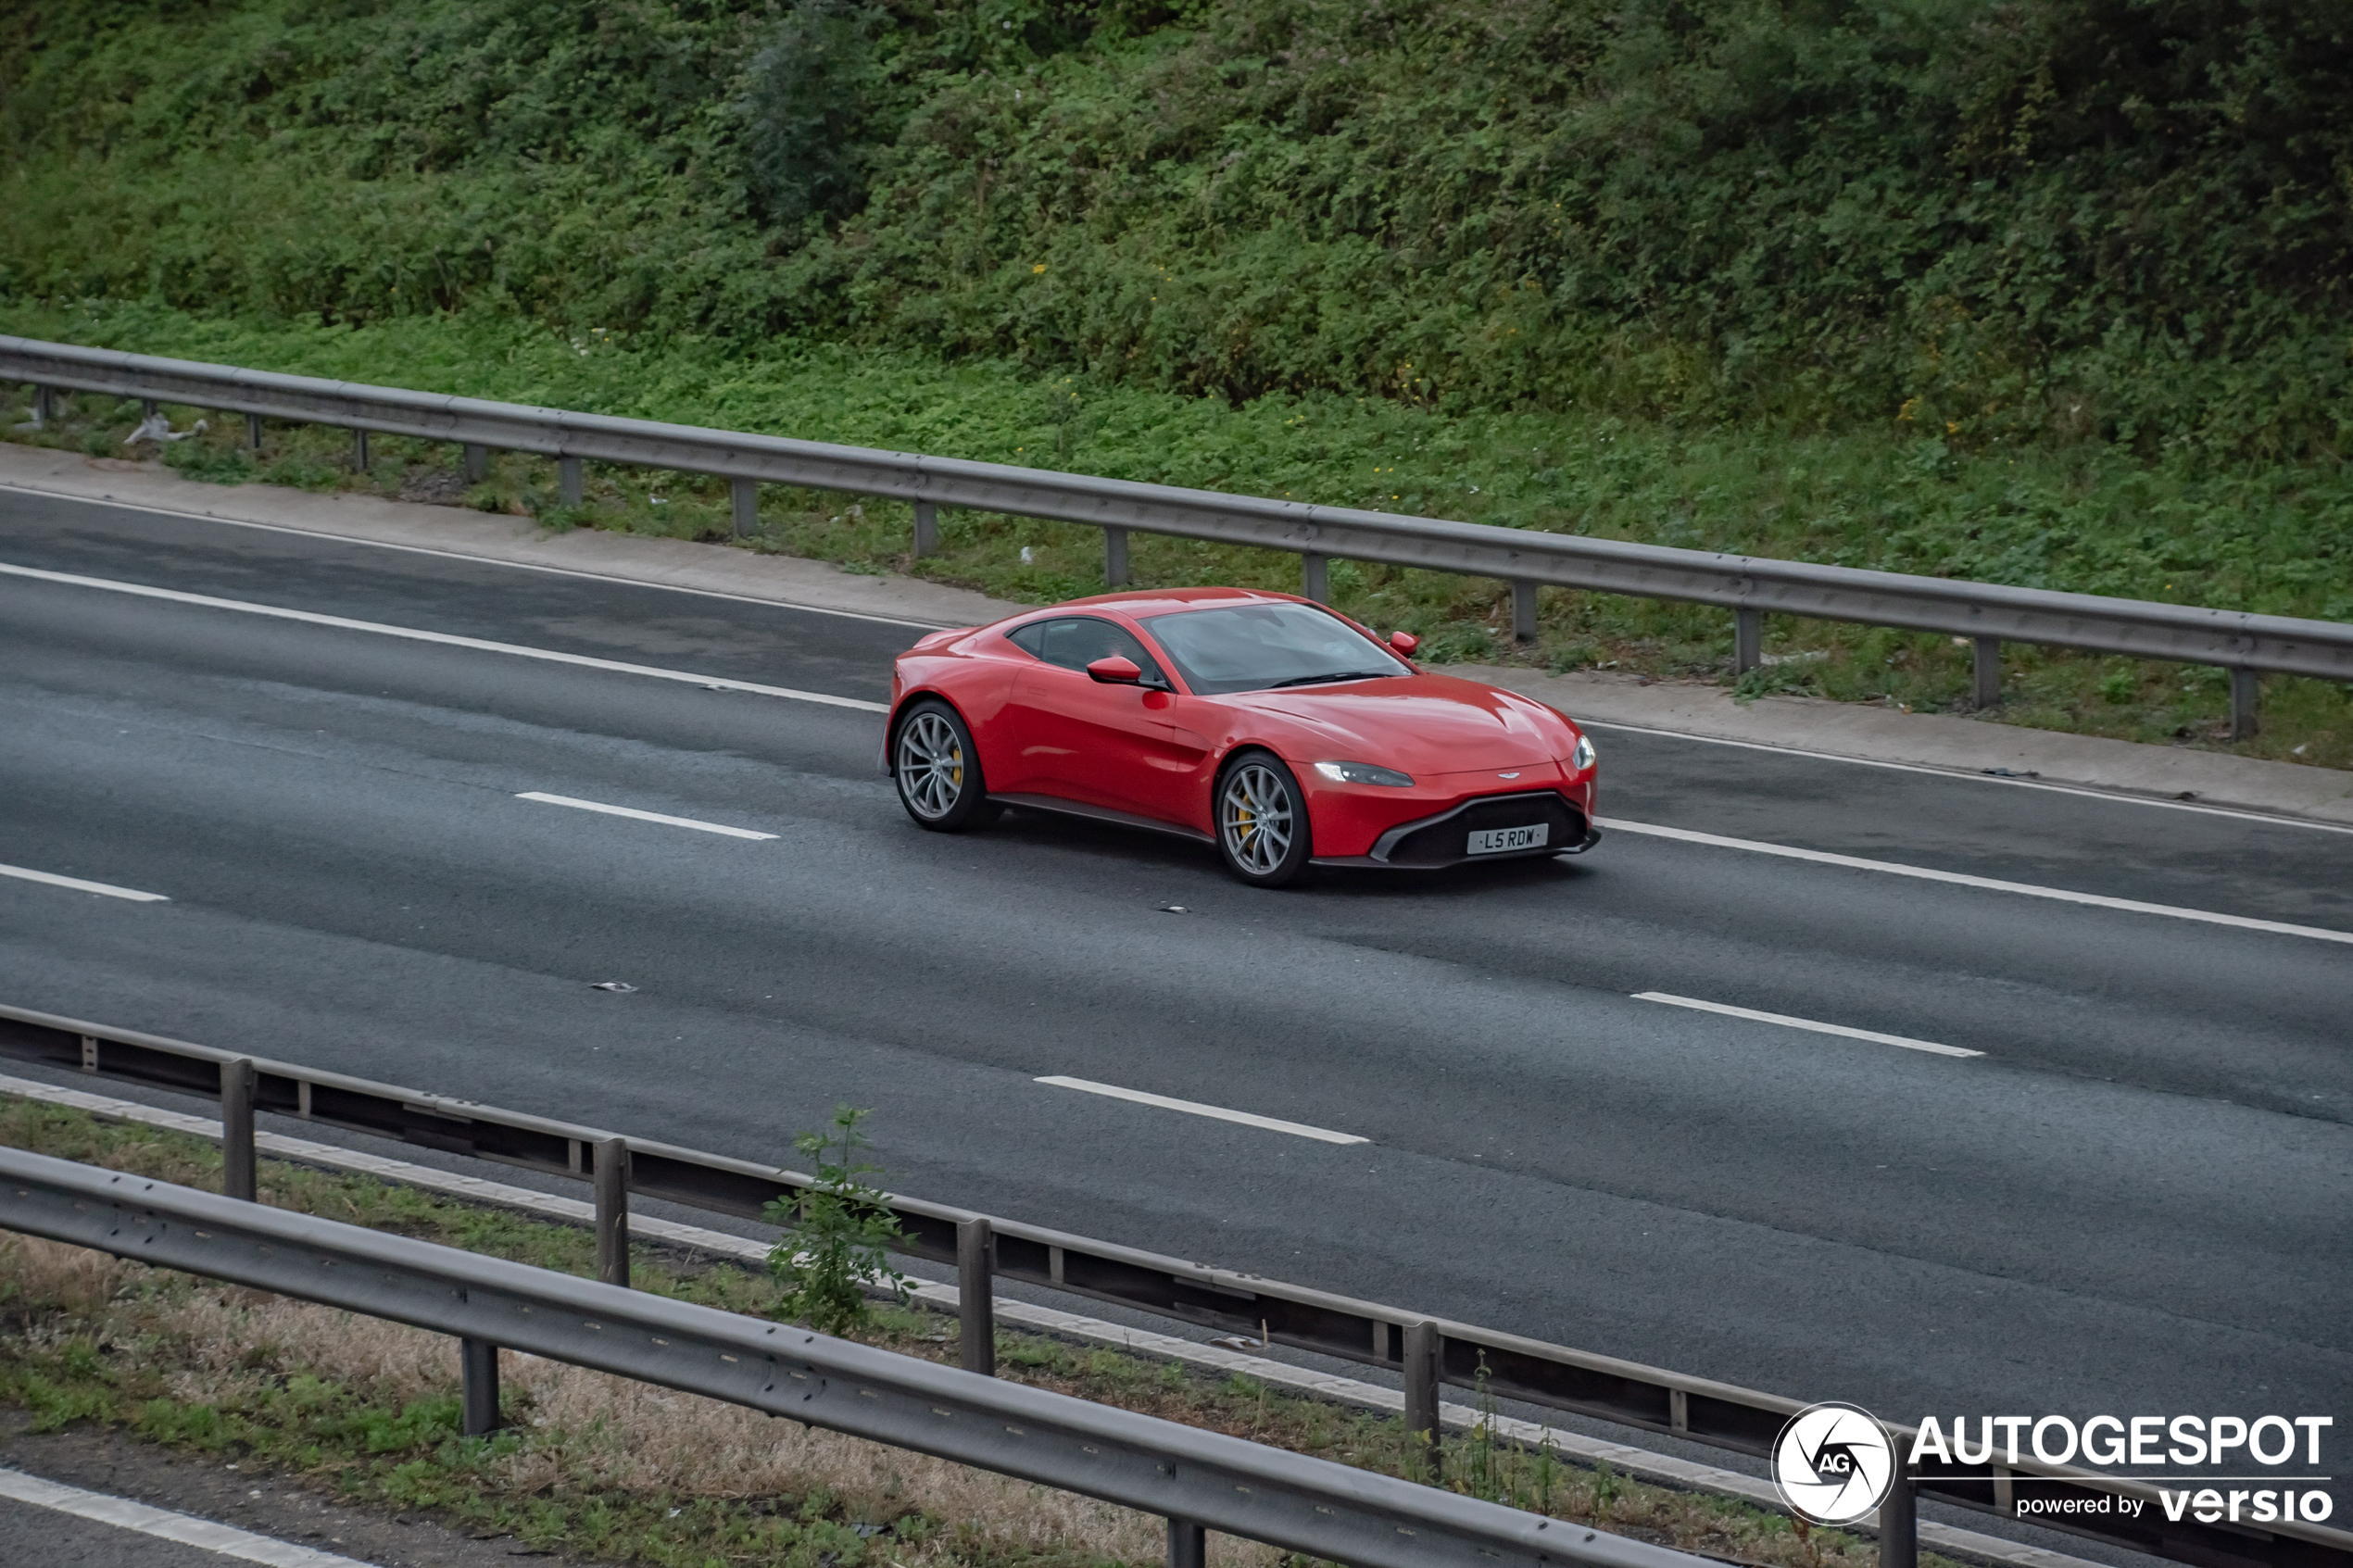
1261, 822
937, 771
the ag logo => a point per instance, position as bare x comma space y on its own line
1831, 1463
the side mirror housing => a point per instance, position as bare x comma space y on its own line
1117, 670
1404, 642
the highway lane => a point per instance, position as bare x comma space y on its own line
2135, 1199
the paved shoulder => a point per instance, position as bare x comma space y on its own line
677, 563
46, 1524
1977, 747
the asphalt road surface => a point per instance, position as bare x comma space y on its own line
2134, 1201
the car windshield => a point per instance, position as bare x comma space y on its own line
1253, 648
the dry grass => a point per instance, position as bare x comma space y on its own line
577, 1433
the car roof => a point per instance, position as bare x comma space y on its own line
1159, 601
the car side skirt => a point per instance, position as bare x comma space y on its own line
1062, 808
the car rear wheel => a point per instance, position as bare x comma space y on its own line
1261, 822
938, 771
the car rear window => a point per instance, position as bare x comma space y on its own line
1076, 641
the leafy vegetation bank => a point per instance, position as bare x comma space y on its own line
2053, 293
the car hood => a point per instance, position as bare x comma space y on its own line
1421, 723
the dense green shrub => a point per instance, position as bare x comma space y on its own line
2113, 220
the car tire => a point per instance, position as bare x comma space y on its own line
1260, 814
937, 770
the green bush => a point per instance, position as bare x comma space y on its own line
208, 461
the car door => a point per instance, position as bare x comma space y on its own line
1083, 739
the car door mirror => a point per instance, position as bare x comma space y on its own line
1117, 670
1404, 642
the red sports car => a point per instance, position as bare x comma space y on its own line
1278, 729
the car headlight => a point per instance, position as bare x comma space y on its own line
1364, 773
1581, 757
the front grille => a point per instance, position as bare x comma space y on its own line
1441, 841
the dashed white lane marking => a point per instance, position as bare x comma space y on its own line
52, 880
1194, 1108
185, 1528
446, 639
1959, 879
640, 816
1788, 1022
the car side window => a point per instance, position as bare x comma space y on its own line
1075, 641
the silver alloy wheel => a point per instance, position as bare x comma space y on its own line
1254, 818
931, 765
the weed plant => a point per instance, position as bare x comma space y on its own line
841, 1231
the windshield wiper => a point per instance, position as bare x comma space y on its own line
1336, 675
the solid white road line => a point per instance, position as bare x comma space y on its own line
122, 504
641, 816
1958, 879
1194, 1108
185, 1528
479, 645
53, 879
1787, 1021
2242, 813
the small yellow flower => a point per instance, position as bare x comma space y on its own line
1040, 268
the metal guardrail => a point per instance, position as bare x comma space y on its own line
1196, 1479
1426, 1352
1750, 586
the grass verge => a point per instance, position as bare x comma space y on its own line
2087, 517
600, 1467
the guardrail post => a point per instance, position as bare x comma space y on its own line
1114, 558
236, 1129
1899, 1525
976, 1294
1422, 1351
927, 528
359, 451
45, 405
2246, 696
1985, 671
478, 1386
1188, 1544
570, 483
253, 432
1748, 640
1523, 612
611, 1175
146, 408
1315, 577
746, 495
477, 462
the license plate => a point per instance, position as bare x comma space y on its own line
1495, 841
